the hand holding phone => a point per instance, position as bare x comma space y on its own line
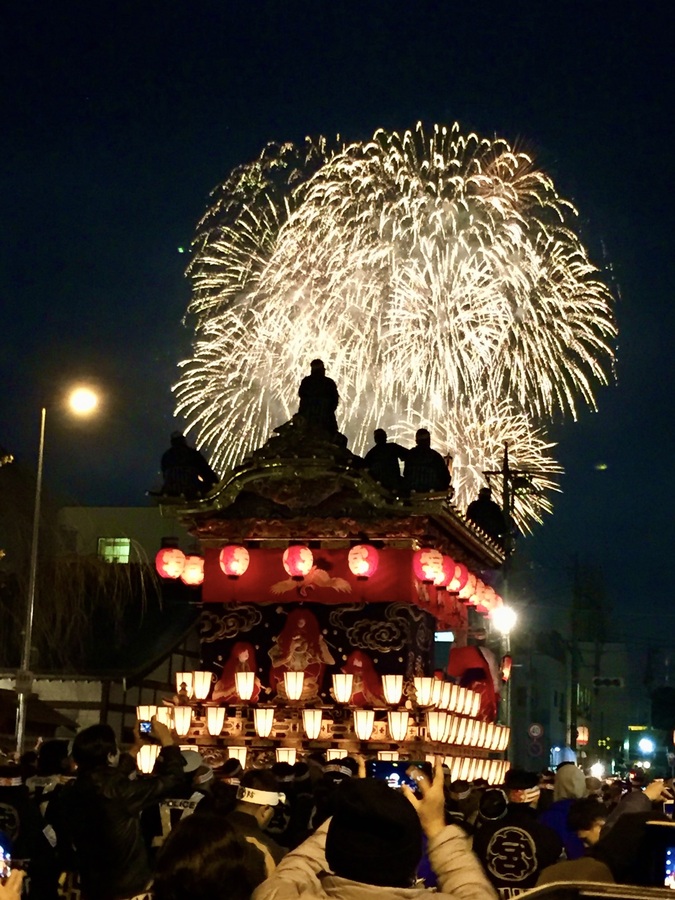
396, 773
431, 808
10, 889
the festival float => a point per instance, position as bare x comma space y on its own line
321, 596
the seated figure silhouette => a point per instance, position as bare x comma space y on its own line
382, 461
186, 472
319, 398
425, 469
487, 515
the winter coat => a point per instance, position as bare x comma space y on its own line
301, 873
99, 815
556, 818
516, 848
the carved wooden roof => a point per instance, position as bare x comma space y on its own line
301, 485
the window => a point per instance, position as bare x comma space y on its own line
114, 550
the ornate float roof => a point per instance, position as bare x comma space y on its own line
301, 485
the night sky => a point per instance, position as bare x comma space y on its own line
119, 118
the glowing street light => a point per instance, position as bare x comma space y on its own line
504, 619
81, 401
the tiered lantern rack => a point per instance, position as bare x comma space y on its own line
440, 721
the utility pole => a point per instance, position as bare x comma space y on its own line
513, 480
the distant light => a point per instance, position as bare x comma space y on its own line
181, 249
646, 745
601, 467
646, 764
597, 770
444, 637
556, 749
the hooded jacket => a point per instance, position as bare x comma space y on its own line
570, 785
302, 872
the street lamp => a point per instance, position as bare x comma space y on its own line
504, 619
81, 401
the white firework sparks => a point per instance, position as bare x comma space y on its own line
440, 279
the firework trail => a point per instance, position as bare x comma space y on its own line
441, 280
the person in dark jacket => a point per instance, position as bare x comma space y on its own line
382, 461
99, 812
186, 472
487, 515
515, 847
22, 835
319, 398
425, 469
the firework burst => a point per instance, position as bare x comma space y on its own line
440, 278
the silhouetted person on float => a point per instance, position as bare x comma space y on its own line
487, 515
425, 469
382, 461
319, 398
186, 472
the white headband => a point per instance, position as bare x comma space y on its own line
522, 795
262, 798
343, 770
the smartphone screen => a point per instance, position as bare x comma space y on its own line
669, 868
145, 727
394, 772
668, 806
5, 863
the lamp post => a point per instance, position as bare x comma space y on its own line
504, 618
82, 401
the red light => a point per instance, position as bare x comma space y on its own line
460, 578
427, 564
298, 561
170, 562
506, 666
363, 560
446, 574
469, 589
193, 573
234, 560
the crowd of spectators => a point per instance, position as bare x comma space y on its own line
83, 822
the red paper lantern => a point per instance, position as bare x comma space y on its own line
485, 600
469, 588
193, 573
427, 564
460, 578
170, 562
362, 561
298, 560
582, 735
446, 574
234, 560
